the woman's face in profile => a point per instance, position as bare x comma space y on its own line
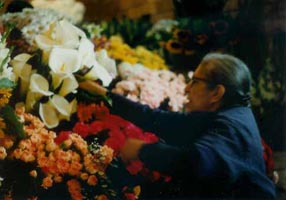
198, 93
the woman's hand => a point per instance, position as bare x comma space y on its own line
131, 149
93, 87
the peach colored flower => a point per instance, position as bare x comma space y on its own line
74, 189
101, 197
47, 182
6, 142
92, 180
33, 173
84, 176
27, 156
3, 153
58, 179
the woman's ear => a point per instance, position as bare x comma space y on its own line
218, 93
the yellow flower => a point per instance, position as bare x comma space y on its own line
5, 94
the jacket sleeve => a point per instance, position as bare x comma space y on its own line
170, 126
213, 154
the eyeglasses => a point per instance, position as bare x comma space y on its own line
197, 79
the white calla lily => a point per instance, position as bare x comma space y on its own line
49, 115
19, 64
69, 85
61, 34
39, 84
45, 43
68, 35
57, 79
31, 99
64, 61
22, 70
107, 62
98, 72
61, 105
73, 105
86, 51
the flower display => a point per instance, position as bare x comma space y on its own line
32, 22
53, 159
71, 8
122, 52
62, 60
96, 121
150, 87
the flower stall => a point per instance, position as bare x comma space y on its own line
60, 141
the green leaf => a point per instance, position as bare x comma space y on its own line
6, 83
1, 4
88, 97
13, 125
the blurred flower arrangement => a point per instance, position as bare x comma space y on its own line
66, 56
122, 52
154, 88
51, 160
28, 24
95, 121
71, 8
191, 38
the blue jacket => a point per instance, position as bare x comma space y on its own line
209, 154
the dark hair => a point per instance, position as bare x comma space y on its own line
231, 72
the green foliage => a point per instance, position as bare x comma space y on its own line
133, 31
13, 125
87, 97
6, 83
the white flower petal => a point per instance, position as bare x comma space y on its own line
68, 35
31, 100
20, 68
64, 61
107, 62
40, 85
69, 85
49, 115
57, 79
73, 105
86, 50
98, 72
45, 43
61, 105
23, 57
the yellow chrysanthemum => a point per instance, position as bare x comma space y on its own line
123, 52
150, 59
5, 94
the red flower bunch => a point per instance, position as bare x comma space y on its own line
95, 119
268, 158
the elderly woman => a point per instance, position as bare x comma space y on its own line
214, 149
